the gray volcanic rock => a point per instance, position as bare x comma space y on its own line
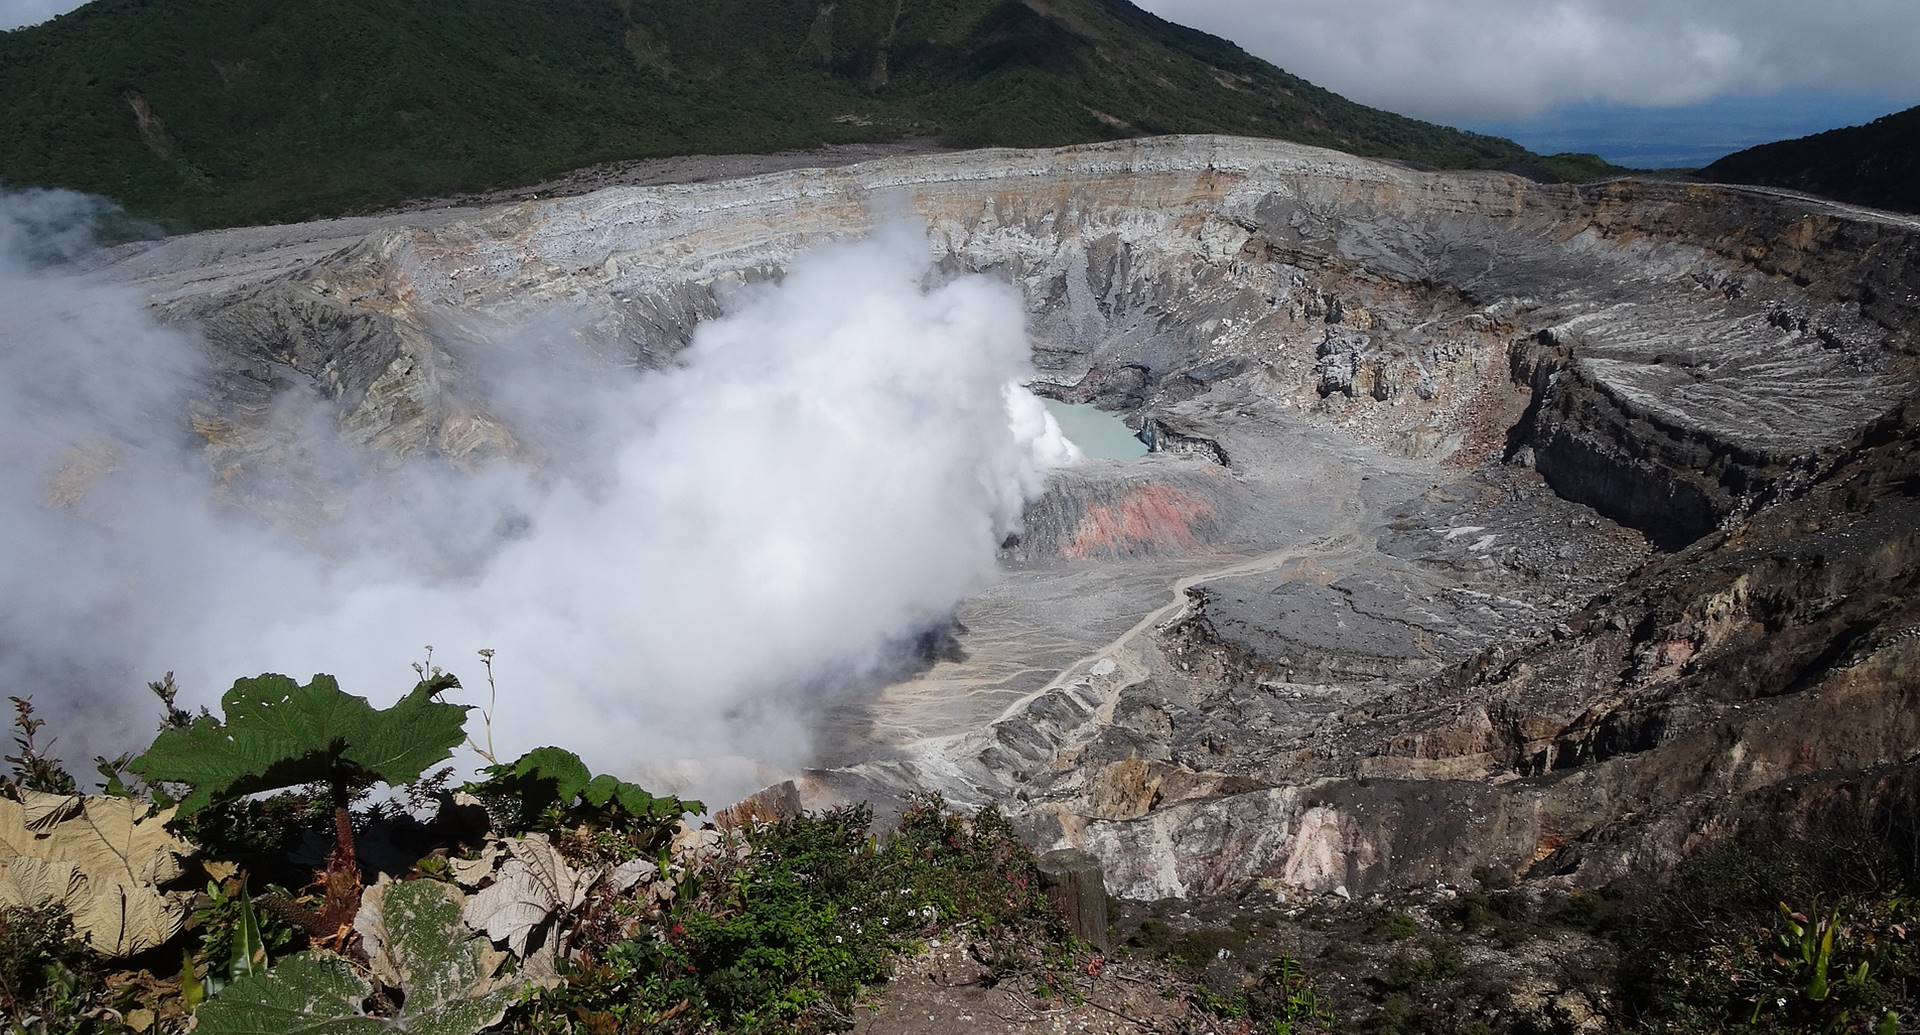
1381, 609
1705, 337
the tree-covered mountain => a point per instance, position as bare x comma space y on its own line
209, 112
1877, 164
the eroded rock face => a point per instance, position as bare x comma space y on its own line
1413, 433
1751, 680
1700, 339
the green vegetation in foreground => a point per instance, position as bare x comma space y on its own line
221, 112
1820, 934
782, 927
785, 939
776, 928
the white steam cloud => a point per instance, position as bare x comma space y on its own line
825, 473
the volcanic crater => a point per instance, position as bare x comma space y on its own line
1554, 529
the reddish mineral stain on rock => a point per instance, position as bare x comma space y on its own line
1150, 515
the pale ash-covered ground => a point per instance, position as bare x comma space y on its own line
1375, 614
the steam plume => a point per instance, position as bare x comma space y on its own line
825, 472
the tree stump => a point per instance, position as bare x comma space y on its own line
1074, 885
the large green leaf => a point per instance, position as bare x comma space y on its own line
417, 941
277, 733
636, 800
550, 776
544, 777
313, 993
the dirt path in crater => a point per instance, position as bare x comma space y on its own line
1341, 542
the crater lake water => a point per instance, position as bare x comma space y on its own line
1099, 434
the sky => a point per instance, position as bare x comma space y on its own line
1660, 82
1641, 82
1687, 136
15, 13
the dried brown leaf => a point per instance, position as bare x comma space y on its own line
103, 858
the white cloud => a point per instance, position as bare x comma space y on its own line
16, 13
1467, 60
825, 473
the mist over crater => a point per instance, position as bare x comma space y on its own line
1445, 475
818, 478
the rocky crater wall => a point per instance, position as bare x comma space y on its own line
1684, 348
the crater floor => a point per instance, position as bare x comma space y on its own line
1558, 530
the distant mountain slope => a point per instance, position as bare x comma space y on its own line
1877, 164
211, 112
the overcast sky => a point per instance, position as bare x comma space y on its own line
15, 13
1468, 61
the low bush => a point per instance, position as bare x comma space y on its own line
1820, 933
1437, 961
50, 984
1392, 927
785, 938
1283, 1000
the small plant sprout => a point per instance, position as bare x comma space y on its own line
427, 670
34, 767
486, 714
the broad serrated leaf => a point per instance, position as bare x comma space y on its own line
639, 802
636, 800
314, 993
413, 736
105, 859
414, 936
413, 933
275, 733
551, 777
600, 790
543, 777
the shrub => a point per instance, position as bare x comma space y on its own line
786, 938
33, 768
1392, 927
1588, 912
1283, 1000
1409, 970
1821, 933
550, 789
49, 982
1474, 910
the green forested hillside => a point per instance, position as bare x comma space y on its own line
1877, 164
210, 112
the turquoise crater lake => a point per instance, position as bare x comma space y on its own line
1099, 434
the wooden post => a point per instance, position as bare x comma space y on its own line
1073, 882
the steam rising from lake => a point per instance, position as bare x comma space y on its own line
823, 474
